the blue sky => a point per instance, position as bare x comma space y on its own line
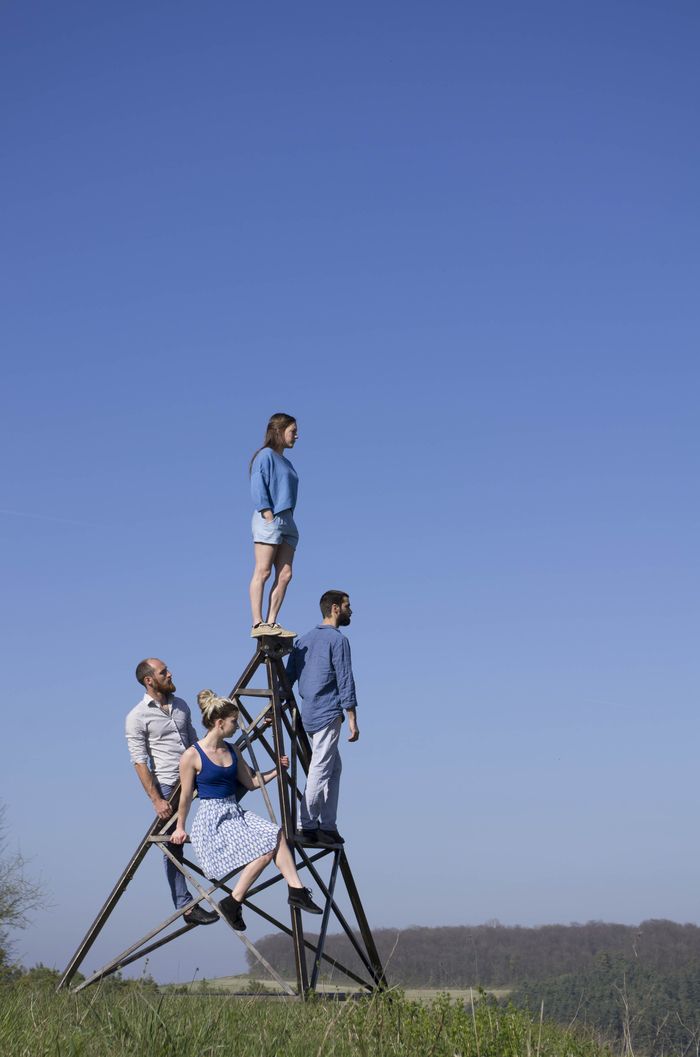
459, 243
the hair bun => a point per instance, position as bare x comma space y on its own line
214, 707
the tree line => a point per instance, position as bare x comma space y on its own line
639, 1008
494, 955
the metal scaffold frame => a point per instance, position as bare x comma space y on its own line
279, 717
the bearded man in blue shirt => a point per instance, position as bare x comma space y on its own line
320, 663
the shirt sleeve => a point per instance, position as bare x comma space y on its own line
343, 672
136, 739
192, 736
260, 482
291, 667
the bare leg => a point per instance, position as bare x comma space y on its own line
249, 874
283, 574
264, 557
284, 861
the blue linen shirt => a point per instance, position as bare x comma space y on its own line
320, 662
273, 482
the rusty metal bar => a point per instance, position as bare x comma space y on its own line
114, 897
285, 800
307, 943
159, 943
324, 921
114, 964
295, 754
239, 935
114, 967
261, 785
340, 916
250, 670
269, 653
362, 922
304, 744
278, 876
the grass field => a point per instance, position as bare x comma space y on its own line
246, 984
134, 1021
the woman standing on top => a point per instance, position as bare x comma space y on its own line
273, 483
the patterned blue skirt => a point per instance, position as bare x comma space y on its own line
224, 836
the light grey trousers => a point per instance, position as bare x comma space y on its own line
319, 804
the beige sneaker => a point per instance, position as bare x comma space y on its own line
258, 630
283, 633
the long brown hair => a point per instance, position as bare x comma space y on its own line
275, 430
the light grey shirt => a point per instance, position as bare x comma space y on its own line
159, 739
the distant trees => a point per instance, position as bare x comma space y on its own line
497, 955
18, 896
632, 1002
637, 985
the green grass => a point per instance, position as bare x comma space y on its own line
245, 983
133, 1021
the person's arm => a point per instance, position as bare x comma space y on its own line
190, 732
161, 807
188, 775
352, 725
137, 743
291, 669
342, 663
249, 780
260, 485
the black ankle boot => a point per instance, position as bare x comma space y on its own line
231, 909
301, 899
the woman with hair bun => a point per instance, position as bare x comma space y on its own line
224, 836
274, 484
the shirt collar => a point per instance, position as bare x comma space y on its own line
148, 701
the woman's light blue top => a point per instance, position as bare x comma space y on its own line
273, 482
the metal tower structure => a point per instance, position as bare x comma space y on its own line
261, 733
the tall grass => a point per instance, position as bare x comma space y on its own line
36, 1022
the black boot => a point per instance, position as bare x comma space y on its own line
199, 916
301, 899
231, 909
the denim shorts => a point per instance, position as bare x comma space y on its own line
280, 530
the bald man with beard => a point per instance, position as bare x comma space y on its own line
158, 730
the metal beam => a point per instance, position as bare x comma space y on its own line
283, 718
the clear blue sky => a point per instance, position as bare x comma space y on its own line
460, 243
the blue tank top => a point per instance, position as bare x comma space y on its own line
214, 782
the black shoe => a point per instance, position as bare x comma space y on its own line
307, 836
231, 909
300, 898
331, 835
199, 916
